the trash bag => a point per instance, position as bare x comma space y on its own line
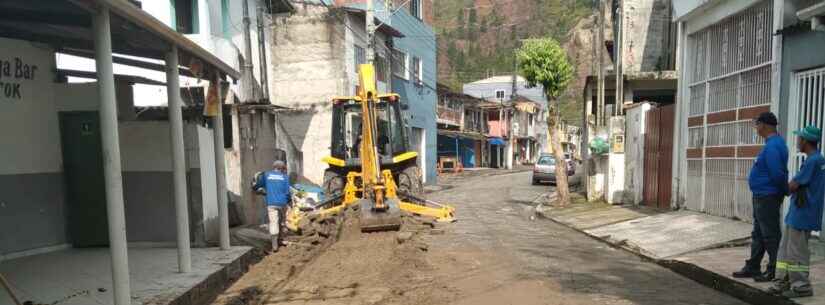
599, 146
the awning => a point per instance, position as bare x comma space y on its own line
496, 141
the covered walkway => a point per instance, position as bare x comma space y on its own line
108, 31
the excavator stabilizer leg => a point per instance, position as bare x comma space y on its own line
372, 220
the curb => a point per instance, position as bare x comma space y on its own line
721, 283
708, 278
216, 283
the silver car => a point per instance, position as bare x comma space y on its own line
545, 169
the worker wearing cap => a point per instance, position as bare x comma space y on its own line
768, 182
804, 215
276, 185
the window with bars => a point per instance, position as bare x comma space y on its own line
732, 62
755, 87
747, 134
400, 64
697, 100
500, 95
723, 134
695, 135
185, 16
722, 95
360, 56
381, 66
415, 8
416, 72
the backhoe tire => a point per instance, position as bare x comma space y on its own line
333, 183
409, 181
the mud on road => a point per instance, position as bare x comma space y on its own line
348, 267
497, 253
345, 266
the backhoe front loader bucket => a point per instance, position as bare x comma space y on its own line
387, 219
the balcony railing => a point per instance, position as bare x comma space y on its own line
448, 116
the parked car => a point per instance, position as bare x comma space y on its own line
545, 169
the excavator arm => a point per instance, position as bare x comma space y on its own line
371, 188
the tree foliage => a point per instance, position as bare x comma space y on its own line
544, 62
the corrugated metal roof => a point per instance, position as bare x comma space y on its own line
499, 79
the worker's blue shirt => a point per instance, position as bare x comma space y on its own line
769, 174
812, 178
277, 187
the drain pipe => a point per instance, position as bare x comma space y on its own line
262, 52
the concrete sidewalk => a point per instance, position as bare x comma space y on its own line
702, 247
81, 276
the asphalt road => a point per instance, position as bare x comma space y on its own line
499, 252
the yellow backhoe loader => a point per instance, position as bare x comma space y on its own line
371, 166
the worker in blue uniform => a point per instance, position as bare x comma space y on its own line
275, 183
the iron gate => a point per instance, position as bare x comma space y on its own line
729, 75
807, 107
658, 167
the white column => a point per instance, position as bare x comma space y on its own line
528, 152
111, 158
178, 160
220, 169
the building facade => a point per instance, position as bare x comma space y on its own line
315, 58
315, 54
501, 89
462, 131
414, 78
729, 59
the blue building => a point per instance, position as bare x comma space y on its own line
414, 77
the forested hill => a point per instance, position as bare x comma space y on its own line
477, 38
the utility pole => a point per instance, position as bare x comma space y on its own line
618, 45
600, 115
514, 78
370, 32
247, 81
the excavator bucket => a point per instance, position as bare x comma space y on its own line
373, 220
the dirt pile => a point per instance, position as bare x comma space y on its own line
349, 267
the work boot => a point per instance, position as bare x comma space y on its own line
768, 276
779, 287
746, 272
275, 244
794, 293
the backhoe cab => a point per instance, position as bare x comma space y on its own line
371, 165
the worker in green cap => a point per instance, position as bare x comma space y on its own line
804, 215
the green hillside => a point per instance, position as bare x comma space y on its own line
477, 38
